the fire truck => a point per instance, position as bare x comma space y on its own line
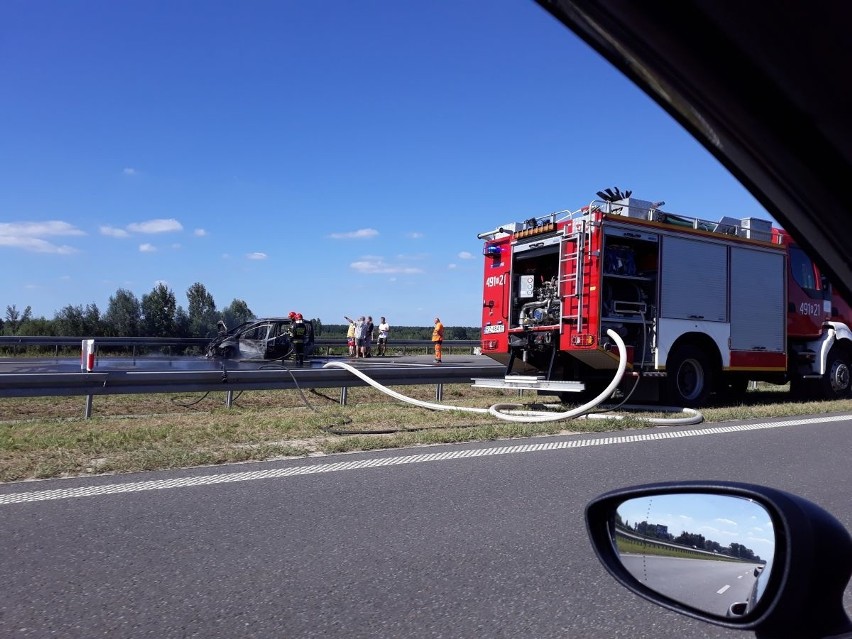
702, 306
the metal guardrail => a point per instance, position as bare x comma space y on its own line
201, 342
51, 340
130, 382
89, 384
231, 381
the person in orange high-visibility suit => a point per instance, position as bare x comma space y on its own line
438, 339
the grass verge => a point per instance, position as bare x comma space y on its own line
48, 437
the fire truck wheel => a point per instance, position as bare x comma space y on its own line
836, 381
689, 376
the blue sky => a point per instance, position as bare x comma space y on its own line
334, 158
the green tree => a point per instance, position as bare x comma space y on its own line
182, 323
236, 313
78, 321
69, 321
15, 318
201, 311
158, 312
123, 317
38, 326
457, 332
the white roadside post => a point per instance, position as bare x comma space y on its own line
87, 365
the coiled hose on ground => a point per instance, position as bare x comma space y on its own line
513, 413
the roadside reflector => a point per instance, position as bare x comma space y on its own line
87, 356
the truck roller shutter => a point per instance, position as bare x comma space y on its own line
694, 280
758, 315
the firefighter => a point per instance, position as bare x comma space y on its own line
298, 334
438, 339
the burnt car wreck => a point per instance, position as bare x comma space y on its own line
266, 338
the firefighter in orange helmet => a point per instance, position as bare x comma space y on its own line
438, 339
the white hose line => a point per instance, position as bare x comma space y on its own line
409, 400
692, 416
511, 412
500, 410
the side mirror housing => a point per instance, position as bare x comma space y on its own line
786, 578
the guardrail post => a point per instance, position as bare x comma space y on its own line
229, 398
439, 392
343, 392
87, 413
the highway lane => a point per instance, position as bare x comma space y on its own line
452, 541
711, 586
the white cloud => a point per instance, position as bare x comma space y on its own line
112, 231
729, 522
155, 226
257, 255
147, 248
199, 232
29, 236
464, 255
176, 246
360, 234
452, 266
36, 245
130, 171
414, 235
376, 265
38, 229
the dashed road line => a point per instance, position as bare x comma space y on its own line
380, 462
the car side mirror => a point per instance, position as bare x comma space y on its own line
735, 555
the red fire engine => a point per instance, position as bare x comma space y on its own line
702, 306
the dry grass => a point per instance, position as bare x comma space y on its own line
48, 437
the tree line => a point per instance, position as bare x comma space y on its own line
691, 540
158, 314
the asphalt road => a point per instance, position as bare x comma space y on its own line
474, 540
711, 586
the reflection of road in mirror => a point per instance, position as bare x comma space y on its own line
710, 552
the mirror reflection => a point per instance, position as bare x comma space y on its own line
711, 552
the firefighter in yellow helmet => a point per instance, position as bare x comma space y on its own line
438, 339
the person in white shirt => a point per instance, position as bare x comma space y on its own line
384, 329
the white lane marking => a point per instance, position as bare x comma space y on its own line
740, 577
292, 471
722, 590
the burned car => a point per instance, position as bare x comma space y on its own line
266, 338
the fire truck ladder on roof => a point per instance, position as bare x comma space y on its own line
571, 269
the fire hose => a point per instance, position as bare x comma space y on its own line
512, 413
